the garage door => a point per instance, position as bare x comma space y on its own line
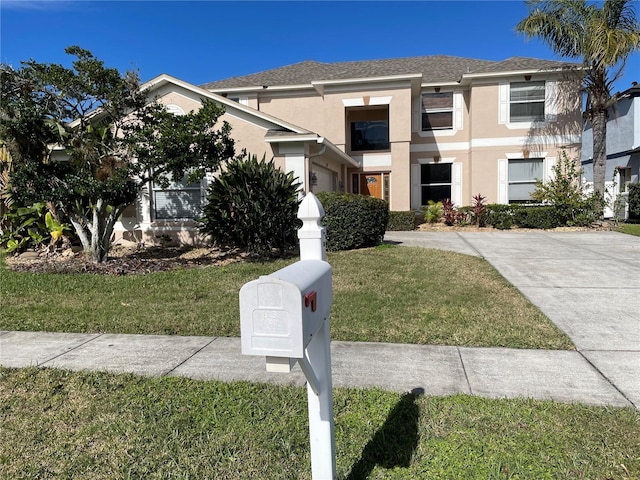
322, 179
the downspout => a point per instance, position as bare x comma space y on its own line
319, 140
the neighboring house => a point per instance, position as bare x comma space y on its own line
623, 148
407, 130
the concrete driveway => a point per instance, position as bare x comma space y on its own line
587, 283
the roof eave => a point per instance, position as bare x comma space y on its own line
165, 79
259, 88
320, 85
312, 138
467, 77
447, 83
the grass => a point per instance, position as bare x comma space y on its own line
59, 424
384, 294
629, 228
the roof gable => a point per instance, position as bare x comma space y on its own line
231, 107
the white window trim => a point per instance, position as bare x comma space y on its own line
202, 188
175, 109
458, 103
503, 171
504, 106
456, 180
241, 99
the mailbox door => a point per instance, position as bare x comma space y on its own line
270, 314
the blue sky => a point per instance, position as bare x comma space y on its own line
204, 41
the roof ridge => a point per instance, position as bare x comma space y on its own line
434, 68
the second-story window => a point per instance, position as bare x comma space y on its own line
368, 128
526, 102
437, 111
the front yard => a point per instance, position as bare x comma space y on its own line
383, 294
60, 424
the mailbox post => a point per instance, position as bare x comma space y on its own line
285, 317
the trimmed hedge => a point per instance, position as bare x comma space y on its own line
503, 217
545, 217
401, 221
353, 221
500, 216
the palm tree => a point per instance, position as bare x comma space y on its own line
603, 37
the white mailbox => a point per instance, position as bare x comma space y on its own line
281, 312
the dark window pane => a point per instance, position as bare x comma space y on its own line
437, 121
371, 135
437, 193
435, 173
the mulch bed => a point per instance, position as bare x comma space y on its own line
124, 260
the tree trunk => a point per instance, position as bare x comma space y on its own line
98, 248
81, 232
599, 128
95, 236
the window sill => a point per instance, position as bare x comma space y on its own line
363, 152
437, 133
529, 125
185, 222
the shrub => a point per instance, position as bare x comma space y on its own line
432, 212
544, 217
464, 215
252, 205
23, 227
500, 216
479, 210
450, 213
565, 192
634, 200
402, 221
353, 221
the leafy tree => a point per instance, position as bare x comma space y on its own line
603, 37
565, 193
116, 138
252, 205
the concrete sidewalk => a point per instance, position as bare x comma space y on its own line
490, 372
587, 283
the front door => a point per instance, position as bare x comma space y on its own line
371, 184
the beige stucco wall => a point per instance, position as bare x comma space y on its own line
326, 115
477, 148
484, 140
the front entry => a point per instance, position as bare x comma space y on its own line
371, 185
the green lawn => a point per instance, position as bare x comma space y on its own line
629, 228
384, 294
57, 424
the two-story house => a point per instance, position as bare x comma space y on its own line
623, 148
407, 130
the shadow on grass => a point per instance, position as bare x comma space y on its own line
395, 442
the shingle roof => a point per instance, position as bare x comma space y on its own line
435, 68
515, 64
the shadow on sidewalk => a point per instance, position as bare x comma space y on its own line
395, 442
